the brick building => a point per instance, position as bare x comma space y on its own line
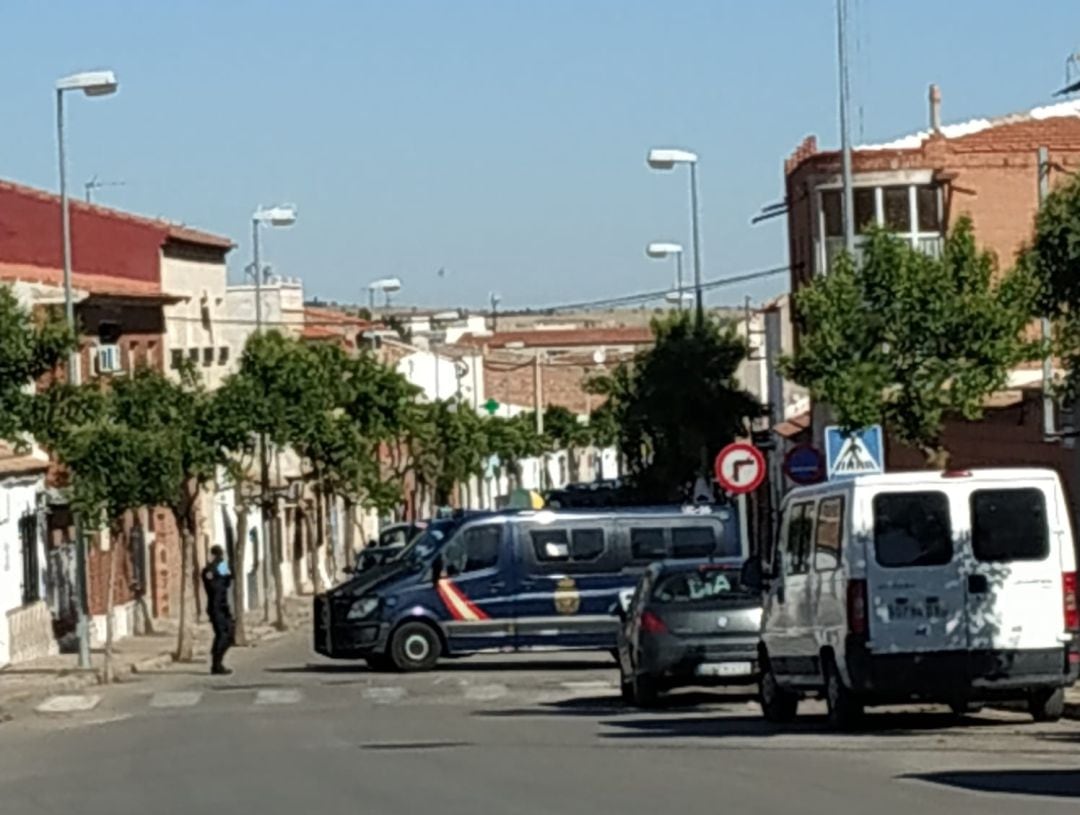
918, 186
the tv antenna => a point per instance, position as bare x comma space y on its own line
95, 184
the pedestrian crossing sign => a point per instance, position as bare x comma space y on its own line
851, 454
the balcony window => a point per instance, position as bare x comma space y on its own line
910, 211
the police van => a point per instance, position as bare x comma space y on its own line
955, 587
510, 581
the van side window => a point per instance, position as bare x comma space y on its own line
693, 541
1009, 524
648, 543
475, 549
912, 529
799, 539
829, 534
586, 544
550, 544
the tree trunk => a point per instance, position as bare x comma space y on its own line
240, 575
185, 637
108, 671
275, 566
318, 556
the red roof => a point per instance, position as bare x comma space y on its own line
169, 229
331, 324
564, 337
99, 285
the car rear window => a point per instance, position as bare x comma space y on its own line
1009, 524
693, 541
695, 586
648, 543
912, 529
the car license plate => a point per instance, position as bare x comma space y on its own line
724, 669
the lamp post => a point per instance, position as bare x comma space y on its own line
665, 158
91, 83
660, 250
271, 216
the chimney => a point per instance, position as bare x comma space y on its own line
935, 109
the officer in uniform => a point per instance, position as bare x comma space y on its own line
217, 579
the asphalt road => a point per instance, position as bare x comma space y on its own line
291, 733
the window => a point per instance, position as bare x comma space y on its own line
928, 207
1009, 524
865, 208
207, 357
31, 587
799, 536
829, 534
108, 359
693, 541
648, 544
702, 584
176, 358
193, 354
896, 209
474, 549
912, 529
833, 209
550, 544
223, 355
586, 544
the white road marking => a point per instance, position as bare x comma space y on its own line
485, 693
384, 695
184, 698
277, 696
75, 703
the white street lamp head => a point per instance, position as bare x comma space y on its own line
664, 158
284, 215
661, 249
675, 297
385, 284
92, 83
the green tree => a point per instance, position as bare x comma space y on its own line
566, 432
513, 439
677, 404
29, 348
1054, 259
905, 339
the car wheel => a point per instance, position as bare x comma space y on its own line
1047, 705
962, 709
777, 705
626, 689
644, 691
415, 647
845, 709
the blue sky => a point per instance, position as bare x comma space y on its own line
500, 140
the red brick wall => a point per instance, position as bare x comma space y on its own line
101, 243
98, 565
165, 565
563, 385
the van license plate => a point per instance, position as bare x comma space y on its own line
724, 669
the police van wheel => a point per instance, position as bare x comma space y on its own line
1047, 705
779, 706
415, 647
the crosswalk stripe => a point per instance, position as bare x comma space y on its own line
277, 696
384, 695
167, 699
74, 703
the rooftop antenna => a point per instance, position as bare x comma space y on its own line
1072, 75
95, 184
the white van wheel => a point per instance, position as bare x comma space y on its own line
845, 709
779, 706
1047, 705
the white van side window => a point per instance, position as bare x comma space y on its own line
799, 539
829, 533
1009, 524
912, 529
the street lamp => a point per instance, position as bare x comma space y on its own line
270, 216
387, 285
665, 158
660, 250
91, 83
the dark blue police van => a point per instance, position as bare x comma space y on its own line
511, 580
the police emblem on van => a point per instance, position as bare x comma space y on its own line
567, 597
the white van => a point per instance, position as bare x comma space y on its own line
954, 587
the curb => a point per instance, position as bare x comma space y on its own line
79, 680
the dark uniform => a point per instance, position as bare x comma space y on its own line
217, 579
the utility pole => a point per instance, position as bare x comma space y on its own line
1049, 428
538, 392
494, 312
845, 127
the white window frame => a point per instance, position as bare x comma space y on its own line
112, 350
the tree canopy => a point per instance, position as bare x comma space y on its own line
905, 339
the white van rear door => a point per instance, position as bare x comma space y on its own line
1014, 583
915, 588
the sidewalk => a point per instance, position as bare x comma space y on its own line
28, 681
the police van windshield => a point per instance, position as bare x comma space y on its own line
427, 543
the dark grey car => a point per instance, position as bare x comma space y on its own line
689, 624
